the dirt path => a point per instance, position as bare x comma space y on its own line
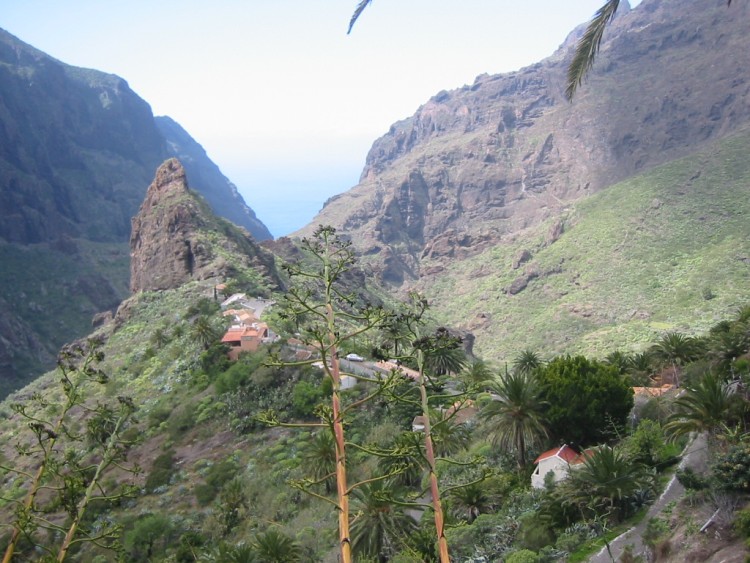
694, 456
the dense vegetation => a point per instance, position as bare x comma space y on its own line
219, 484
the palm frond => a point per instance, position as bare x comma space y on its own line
357, 12
588, 46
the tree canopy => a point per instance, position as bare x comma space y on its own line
588, 400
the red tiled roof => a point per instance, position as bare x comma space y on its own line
565, 452
236, 334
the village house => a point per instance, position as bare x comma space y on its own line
245, 338
557, 461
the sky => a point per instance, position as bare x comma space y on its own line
280, 97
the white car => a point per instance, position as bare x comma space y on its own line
355, 358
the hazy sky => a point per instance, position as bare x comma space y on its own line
279, 96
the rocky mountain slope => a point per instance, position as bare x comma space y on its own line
477, 164
169, 245
77, 150
480, 169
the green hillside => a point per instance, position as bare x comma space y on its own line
666, 250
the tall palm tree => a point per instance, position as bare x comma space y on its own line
203, 331
619, 360
406, 460
704, 407
476, 373
676, 350
640, 368
448, 436
379, 525
444, 355
515, 417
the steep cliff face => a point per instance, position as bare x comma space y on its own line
478, 164
77, 149
175, 238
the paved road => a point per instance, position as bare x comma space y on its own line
694, 457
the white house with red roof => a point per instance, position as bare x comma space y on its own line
557, 461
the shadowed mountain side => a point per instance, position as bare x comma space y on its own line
77, 150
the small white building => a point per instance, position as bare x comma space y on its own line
557, 461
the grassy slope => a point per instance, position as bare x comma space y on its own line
634, 261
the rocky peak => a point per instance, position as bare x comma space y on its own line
165, 246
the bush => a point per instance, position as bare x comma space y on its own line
149, 536
305, 397
691, 480
204, 494
161, 471
741, 523
589, 402
522, 556
733, 468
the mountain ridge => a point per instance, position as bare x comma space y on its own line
77, 150
508, 151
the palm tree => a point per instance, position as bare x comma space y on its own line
274, 546
676, 350
640, 368
515, 417
727, 346
588, 46
203, 332
619, 360
607, 481
527, 361
379, 524
470, 501
704, 407
476, 373
319, 455
444, 355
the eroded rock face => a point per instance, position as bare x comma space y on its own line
508, 152
166, 250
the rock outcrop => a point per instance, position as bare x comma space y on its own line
176, 238
165, 250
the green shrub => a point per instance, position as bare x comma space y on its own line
305, 397
691, 480
656, 530
522, 556
148, 537
161, 471
741, 523
204, 494
181, 420
732, 469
